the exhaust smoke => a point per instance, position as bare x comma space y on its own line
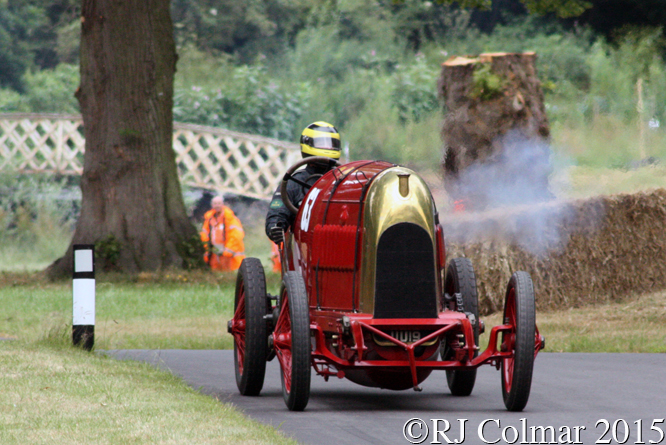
510, 198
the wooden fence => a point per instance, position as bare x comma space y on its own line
211, 158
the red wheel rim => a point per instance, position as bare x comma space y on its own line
238, 329
282, 342
509, 340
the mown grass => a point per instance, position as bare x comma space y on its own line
174, 310
637, 324
53, 394
191, 310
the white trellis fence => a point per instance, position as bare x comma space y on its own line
207, 157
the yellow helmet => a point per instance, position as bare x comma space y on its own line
320, 139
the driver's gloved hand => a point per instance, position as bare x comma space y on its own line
276, 233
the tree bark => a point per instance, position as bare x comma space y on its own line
132, 205
494, 106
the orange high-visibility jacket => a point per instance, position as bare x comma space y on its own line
223, 235
275, 257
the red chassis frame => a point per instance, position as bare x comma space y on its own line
358, 323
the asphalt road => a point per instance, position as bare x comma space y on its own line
569, 392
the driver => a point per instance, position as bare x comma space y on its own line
318, 139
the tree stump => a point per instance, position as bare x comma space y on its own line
496, 131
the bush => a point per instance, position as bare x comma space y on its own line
249, 101
415, 89
46, 91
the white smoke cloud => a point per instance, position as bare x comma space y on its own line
510, 198
517, 175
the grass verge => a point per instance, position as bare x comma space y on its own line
191, 310
55, 394
586, 182
173, 310
637, 324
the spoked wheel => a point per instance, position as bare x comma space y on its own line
249, 327
519, 313
292, 342
460, 279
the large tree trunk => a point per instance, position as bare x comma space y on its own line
132, 206
496, 129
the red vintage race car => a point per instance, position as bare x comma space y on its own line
365, 296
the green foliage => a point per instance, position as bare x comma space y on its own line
53, 90
420, 22
16, 22
269, 27
598, 122
107, 252
45, 91
487, 84
331, 52
191, 251
613, 90
68, 37
378, 134
25, 197
245, 29
28, 31
249, 100
218, 24
415, 90
11, 101
563, 8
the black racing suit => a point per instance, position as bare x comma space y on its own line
278, 213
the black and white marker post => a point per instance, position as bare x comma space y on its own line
83, 296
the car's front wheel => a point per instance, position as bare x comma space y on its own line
292, 342
519, 313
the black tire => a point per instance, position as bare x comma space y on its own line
250, 331
519, 311
460, 278
294, 355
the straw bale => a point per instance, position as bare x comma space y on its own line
578, 252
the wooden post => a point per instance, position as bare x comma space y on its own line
640, 108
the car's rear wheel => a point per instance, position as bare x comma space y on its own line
291, 339
248, 327
460, 278
519, 312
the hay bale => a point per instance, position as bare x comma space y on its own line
578, 252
